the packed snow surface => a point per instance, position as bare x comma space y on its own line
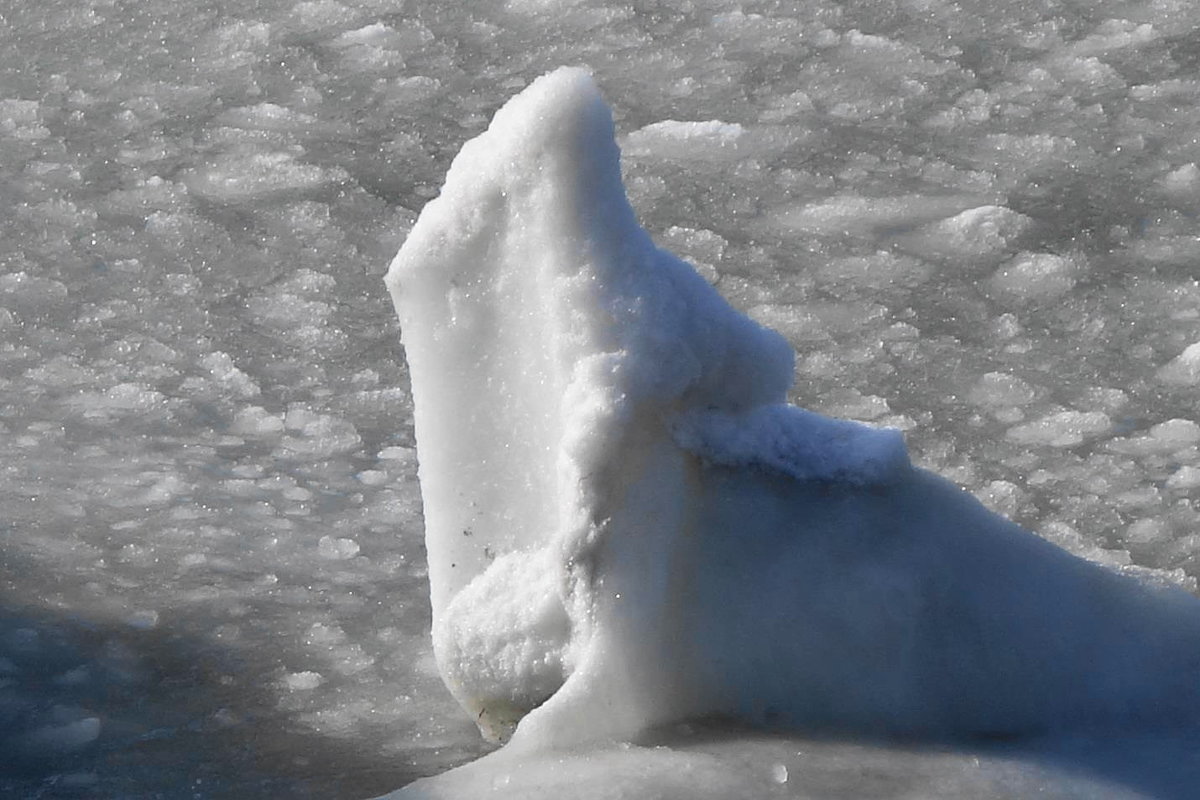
213, 581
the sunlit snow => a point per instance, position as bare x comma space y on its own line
974, 221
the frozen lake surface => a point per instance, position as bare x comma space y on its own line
974, 221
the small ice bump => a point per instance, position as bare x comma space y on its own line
374, 35
318, 435
1003, 497
1184, 369
1176, 433
779, 773
226, 375
712, 131
303, 681
999, 389
1032, 277
1061, 429
1006, 326
21, 119
21, 291
1115, 34
397, 454
321, 634
378, 47
253, 176
297, 494
1102, 398
164, 489
858, 215
976, 233
129, 398
687, 140
256, 421
337, 549
1186, 477
1147, 531
372, 477
265, 116
1182, 182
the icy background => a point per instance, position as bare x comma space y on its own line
974, 220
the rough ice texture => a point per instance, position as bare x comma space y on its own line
627, 526
1184, 369
795, 442
547, 337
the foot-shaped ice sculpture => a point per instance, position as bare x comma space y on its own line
628, 525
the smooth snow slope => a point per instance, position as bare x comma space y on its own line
620, 502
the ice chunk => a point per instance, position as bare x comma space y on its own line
372, 477
147, 196
21, 119
303, 681
1115, 34
317, 435
675, 139
1184, 369
236, 44
267, 117
337, 548
628, 526
378, 46
1182, 182
374, 35
1176, 433
999, 389
241, 177
856, 214
976, 233
1018, 154
504, 641
29, 293
228, 376
256, 421
1062, 429
1033, 277
1186, 477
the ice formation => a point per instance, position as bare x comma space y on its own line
211, 529
627, 525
